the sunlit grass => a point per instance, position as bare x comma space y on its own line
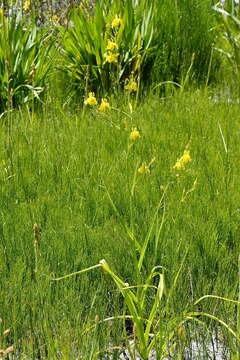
59, 170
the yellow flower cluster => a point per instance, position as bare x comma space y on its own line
131, 85
91, 100
117, 21
26, 5
144, 169
135, 135
184, 159
111, 57
111, 45
104, 106
55, 18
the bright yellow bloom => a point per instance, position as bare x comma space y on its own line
134, 134
186, 158
110, 57
144, 169
111, 45
91, 100
180, 163
117, 21
132, 86
26, 5
104, 106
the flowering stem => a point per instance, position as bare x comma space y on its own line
77, 272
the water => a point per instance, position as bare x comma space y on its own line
212, 350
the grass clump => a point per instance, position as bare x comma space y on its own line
24, 61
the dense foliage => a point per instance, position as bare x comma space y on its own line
103, 46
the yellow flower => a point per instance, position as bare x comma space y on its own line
134, 134
117, 21
111, 45
184, 159
179, 165
144, 169
26, 5
132, 86
55, 18
104, 106
91, 100
110, 57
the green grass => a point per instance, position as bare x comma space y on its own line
56, 170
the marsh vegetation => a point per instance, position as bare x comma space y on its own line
119, 172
